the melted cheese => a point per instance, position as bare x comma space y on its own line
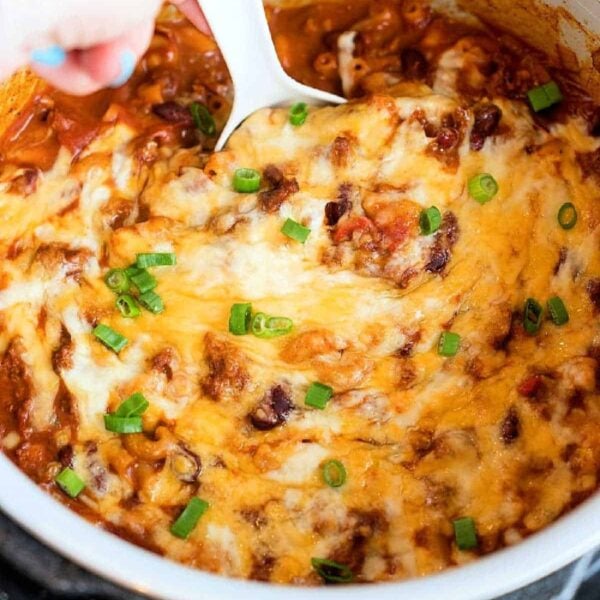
420, 435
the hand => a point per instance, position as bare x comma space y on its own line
80, 46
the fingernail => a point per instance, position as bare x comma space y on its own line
126, 66
52, 56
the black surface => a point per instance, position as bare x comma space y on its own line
29, 571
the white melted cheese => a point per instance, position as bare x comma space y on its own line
301, 466
91, 383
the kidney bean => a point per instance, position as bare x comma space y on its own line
273, 409
172, 112
487, 118
447, 138
334, 211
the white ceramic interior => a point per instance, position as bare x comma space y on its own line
134, 568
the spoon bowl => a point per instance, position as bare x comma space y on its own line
243, 36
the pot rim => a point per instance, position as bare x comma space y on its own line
141, 571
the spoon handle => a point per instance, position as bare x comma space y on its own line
242, 33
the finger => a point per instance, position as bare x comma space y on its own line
112, 63
69, 76
109, 64
191, 9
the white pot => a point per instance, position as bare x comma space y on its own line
564, 541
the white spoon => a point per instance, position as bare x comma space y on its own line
242, 33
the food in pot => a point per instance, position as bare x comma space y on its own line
360, 344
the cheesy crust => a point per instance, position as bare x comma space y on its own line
506, 432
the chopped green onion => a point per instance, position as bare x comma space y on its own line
155, 259
152, 301
334, 473
246, 181
544, 96
203, 120
465, 533
295, 231
110, 338
553, 92
482, 188
538, 98
558, 311
128, 306
264, 326
317, 395
134, 406
430, 220
144, 281
189, 518
298, 113
69, 482
331, 571
567, 215
132, 270
240, 316
532, 316
117, 280
448, 344
123, 424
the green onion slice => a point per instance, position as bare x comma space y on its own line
430, 220
295, 231
449, 343
317, 395
334, 473
144, 281
558, 311
246, 181
117, 280
567, 215
544, 96
465, 533
69, 482
123, 425
482, 188
134, 406
152, 302
110, 338
298, 113
331, 571
553, 92
264, 326
155, 259
203, 120
132, 270
532, 316
240, 317
189, 518
128, 306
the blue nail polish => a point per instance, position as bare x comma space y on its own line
52, 56
127, 65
